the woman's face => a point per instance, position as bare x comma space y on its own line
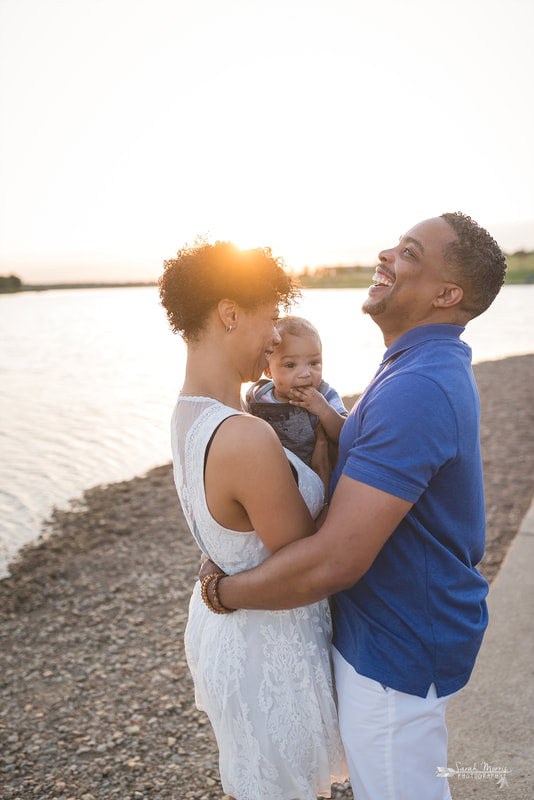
257, 327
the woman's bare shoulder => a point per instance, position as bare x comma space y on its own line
243, 431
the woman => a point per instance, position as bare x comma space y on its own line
263, 677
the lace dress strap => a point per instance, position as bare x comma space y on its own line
194, 423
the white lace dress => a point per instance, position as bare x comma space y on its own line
263, 677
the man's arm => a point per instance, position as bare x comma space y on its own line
359, 522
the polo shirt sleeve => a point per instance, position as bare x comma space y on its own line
407, 432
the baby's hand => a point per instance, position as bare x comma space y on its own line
309, 398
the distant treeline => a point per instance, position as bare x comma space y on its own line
14, 284
520, 269
10, 284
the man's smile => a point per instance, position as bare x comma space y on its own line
381, 279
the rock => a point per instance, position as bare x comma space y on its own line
96, 701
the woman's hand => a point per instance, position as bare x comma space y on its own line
207, 567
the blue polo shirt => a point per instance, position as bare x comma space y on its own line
418, 615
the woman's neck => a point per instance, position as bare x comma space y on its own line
206, 375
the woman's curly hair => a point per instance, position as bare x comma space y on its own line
478, 263
193, 283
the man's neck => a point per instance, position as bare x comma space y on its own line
390, 337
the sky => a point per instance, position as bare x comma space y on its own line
323, 129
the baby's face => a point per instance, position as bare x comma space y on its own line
296, 361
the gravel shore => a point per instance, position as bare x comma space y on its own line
96, 698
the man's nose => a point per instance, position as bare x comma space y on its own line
385, 255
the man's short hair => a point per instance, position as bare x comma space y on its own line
478, 263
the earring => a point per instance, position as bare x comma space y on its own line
228, 329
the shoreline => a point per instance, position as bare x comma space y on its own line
506, 388
97, 701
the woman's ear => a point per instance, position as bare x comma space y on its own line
228, 312
450, 295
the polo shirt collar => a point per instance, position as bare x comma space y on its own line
424, 333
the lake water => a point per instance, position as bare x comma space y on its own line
88, 380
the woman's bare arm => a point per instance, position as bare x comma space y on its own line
360, 520
250, 485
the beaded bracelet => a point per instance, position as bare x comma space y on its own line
216, 607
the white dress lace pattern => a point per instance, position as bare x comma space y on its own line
263, 677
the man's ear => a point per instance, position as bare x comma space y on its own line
450, 295
227, 312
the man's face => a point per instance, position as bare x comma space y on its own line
409, 278
296, 362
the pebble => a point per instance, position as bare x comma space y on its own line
96, 701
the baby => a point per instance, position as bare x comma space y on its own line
294, 397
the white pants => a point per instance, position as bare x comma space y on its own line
394, 742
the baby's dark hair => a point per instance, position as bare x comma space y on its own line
193, 283
296, 326
478, 263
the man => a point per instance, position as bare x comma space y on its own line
406, 525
